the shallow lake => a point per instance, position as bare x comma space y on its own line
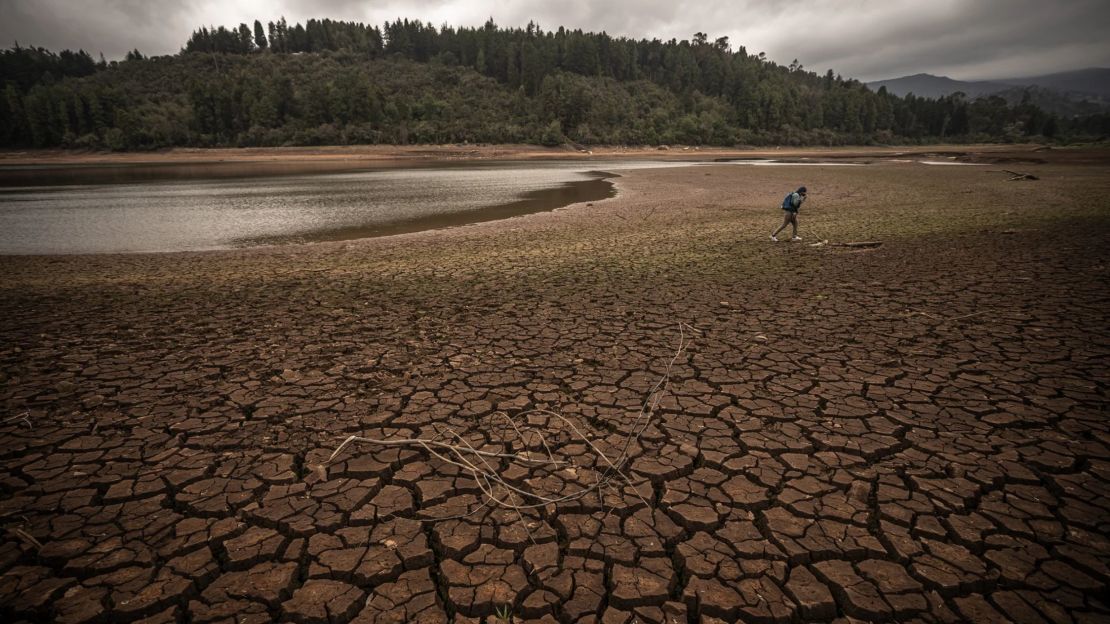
216, 205
201, 207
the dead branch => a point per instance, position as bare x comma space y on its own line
859, 244
486, 467
1015, 175
946, 319
26, 537
22, 417
1020, 176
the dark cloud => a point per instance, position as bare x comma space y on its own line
866, 39
967, 40
111, 27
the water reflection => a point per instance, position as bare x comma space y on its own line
532, 201
73, 216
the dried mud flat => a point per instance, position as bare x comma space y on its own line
915, 432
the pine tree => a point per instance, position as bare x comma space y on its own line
245, 41
259, 36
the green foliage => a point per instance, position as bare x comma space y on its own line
553, 134
25, 67
260, 36
333, 82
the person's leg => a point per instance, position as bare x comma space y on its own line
785, 222
794, 223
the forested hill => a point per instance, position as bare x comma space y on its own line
328, 82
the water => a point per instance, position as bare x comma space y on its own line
160, 209
952, 163
207, 206
761, 162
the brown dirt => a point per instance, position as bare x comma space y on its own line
916, 431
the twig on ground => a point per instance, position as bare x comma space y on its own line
957, 318
1015, 175
26, 537
24, 416
926, 314
947, 319
860, 244
487, 467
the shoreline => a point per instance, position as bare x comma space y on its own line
597, 185
328, 160
422, 153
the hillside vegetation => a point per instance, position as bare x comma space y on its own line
329, 82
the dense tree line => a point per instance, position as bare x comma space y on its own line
25, 67
333, 82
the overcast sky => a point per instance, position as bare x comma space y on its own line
864, 39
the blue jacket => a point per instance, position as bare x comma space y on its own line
793, 201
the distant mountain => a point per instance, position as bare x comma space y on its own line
1065, 93
930, 86
1060, 103
1093, 81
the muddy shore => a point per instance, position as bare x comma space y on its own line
914, 431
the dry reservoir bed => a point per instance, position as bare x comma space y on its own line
915, 431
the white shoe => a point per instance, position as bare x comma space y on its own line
774, 238
796, 238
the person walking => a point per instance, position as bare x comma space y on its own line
790, 206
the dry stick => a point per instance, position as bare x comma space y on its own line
661, 384
957, 318
524, 440
487, 479
654, 397
23, 416
27, 537
492, 474
948, 319
617, 493
817, 233
935, 318
423, 441
488, 490
612, 466
524, 523
1015, 175
480, 476
547, 448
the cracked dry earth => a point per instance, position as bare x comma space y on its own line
916, 432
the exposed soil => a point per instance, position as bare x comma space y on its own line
915, 431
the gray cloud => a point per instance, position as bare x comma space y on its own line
866, 39
964, 39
